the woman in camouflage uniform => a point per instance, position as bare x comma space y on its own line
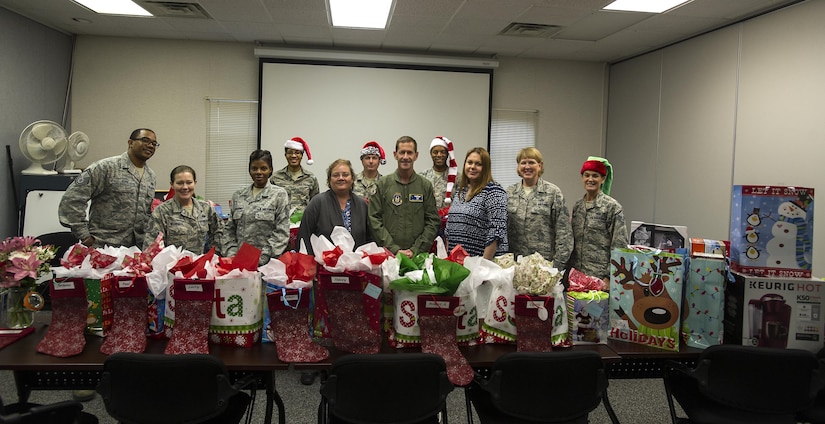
259, 214
185, 221
598, 221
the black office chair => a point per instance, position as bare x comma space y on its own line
739, 384
140, 388
62, 240
816, 413
67, 412
548, 387
402, 388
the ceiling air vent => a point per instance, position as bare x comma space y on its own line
175, 9
521, 29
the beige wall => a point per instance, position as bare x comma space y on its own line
121, 84
742, 105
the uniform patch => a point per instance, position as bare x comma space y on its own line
416, 198
396, 199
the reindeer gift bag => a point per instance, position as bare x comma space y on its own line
646, 296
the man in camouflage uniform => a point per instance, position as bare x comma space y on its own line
598, 222
437, 175
120, 189
402, 214
372, 155
537, 216
300, 184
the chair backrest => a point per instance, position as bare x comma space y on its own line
66, 412
156, 388
766, 380
62, 240
386, 388
547, 386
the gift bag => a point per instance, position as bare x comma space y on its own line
499, 325
431, 275
704, 302
237, 314
406, 332
351, 302
646, 296
588, 316
533, 316
588, 313
99, 318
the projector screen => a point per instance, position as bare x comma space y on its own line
336, 108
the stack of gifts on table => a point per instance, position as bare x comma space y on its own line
774, 301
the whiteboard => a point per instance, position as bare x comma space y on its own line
337, 109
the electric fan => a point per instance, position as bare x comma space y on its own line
78, 147
42, 142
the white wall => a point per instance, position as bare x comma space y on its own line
741, 105
122, 83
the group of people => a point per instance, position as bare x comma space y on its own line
401, 211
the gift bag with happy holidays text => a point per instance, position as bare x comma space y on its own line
646, 296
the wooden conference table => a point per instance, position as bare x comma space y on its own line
36, 371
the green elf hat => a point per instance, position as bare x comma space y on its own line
602, 166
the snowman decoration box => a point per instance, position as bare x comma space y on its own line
772, 230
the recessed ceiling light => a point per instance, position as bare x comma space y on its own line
649, 6
114, 7
370, 14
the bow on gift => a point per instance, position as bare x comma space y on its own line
299, 266
246, 259
196, 268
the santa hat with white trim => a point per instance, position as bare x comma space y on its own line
452, 167
298, 143
373, 148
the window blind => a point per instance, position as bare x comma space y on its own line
232, 134
510, 131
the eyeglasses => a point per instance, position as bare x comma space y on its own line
147, 140
291, 152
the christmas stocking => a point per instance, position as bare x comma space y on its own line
65, 336
349, 324
353, 302
130, 319
437, 319
193, 310
289, 309
534, 323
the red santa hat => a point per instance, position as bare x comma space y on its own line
373, 148
452, 167
298, 143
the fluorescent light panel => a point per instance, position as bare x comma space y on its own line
649, 6
114, 7
370, 14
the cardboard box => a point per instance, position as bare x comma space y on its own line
775, 312
713, 249
772, 230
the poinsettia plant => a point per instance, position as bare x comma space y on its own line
23, 260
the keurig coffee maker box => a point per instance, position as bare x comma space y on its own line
775, 312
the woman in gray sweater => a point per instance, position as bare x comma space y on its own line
338, 206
